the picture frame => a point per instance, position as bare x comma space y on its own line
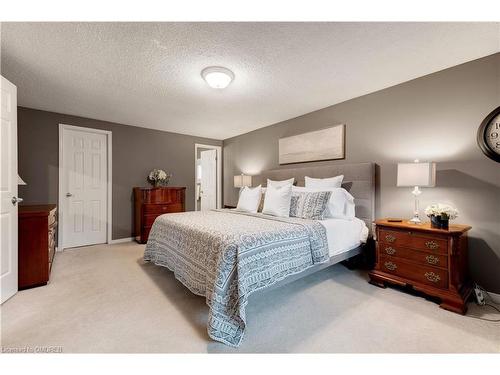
317, 145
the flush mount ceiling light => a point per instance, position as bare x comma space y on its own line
217, 77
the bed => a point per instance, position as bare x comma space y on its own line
225, 255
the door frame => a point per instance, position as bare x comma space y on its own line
219, 172
109, 180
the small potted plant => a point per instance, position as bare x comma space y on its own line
158, 177
440, 215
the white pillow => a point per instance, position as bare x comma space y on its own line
274, 183
277, 201
341, 204
321, 183
249, 199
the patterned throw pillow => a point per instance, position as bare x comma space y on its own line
309, 205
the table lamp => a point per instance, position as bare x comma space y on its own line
416, 175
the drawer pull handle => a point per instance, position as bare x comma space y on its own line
431, 276
390, 238
431, 259
390, 266
433, 245
390, 250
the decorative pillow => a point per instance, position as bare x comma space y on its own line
340, 206
322, 183
249, 199
309, 205
274, 183
277, 201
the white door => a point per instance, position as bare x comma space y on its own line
8, 190
84, 188
208, 180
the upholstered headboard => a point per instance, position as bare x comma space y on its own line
359, 180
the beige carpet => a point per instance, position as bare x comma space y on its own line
105, 299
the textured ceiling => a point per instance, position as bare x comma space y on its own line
148, 74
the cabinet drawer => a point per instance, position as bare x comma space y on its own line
432, 244
162, 208
418, 256
423, 274
155, 208
414, 240
394, 237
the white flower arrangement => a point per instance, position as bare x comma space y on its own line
158, 177
443, 210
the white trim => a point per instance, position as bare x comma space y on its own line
122, 240
219, 171
109, 213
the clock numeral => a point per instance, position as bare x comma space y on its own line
497, 145
497, 125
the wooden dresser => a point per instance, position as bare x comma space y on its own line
37, 245
432, 261
149, 203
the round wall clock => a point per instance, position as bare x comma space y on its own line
488, 135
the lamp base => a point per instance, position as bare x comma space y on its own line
415, 220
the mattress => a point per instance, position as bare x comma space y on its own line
344, 235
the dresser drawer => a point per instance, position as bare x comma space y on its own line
394, 237
413, 240
432, 244
162, 208
423, 274
418, 256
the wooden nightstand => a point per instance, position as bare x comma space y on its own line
433, 261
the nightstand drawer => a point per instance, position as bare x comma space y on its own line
426, 275
422, 257
413, 239
432, 244
394, 237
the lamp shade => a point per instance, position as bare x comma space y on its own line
417, 174
242, 180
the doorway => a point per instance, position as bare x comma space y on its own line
208, 177
84, 186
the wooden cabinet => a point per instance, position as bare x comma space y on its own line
149, 203
37, 245
433, 261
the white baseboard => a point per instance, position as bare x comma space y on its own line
122, 240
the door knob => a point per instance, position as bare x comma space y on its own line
69, 194
16, 200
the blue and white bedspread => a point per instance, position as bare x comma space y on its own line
225, 256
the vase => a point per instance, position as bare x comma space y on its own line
438, 222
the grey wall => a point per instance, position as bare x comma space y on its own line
431, 118
135, 152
